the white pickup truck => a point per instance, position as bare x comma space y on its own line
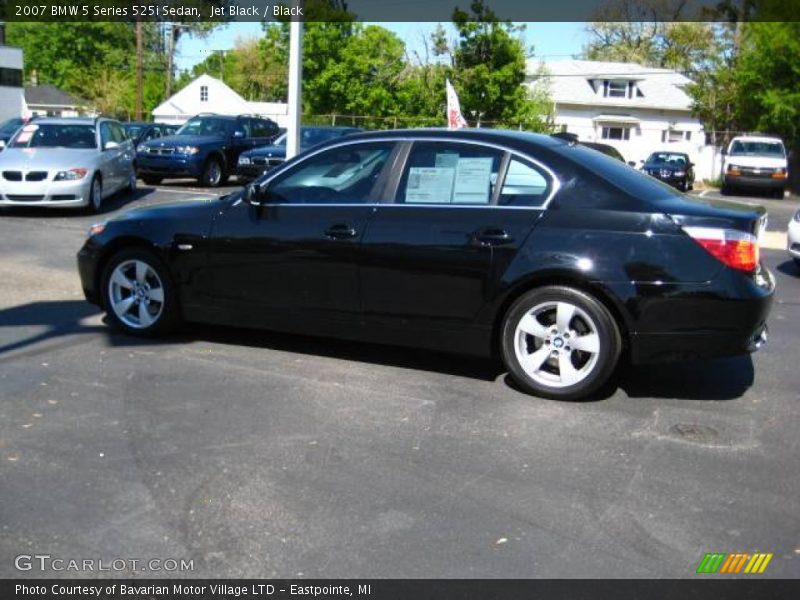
757, 162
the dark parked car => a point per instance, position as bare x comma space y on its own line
140, 132
255, 162
606, 149
476, 241
8, 129
673, 168
206, 148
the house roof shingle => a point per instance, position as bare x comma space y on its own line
49, 95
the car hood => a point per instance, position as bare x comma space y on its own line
763, 162
26, 159
184, 140
186, 210
268, 151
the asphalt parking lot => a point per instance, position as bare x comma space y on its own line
255, 454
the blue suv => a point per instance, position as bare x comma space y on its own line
206, 148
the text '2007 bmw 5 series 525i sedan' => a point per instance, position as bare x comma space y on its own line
552, 255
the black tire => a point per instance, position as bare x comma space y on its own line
598, 370
169, 315
725, 190
683, 187
777, 193
95, 204
152, 180
797, 262
213, 173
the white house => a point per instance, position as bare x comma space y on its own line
636, 109
47, 100
209, 95
12, 96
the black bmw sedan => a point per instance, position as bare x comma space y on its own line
554, 256
673, 168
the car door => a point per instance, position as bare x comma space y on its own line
433, 256
109, 159
124, 156
293, 259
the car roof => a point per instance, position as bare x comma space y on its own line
66, 120
496, 136
668, 152
757, 138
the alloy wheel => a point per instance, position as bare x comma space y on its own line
557, 344
136, 294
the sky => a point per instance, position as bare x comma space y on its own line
550, 40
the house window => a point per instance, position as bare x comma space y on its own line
615, 89
203, 93
616, 133
675, 135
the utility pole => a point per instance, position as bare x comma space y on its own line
139, 86
295, 100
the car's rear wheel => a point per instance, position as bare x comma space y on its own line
213, 173
560, 342
152, 180
138, 293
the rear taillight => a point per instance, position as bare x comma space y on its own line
737, 249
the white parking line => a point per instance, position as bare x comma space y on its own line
703, 193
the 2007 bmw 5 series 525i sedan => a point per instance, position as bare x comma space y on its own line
553, 255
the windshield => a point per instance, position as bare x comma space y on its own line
52, 135
133, 130
10, 126
742, 148
205, 126
668, 159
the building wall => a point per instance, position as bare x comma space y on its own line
646, 136
12, 99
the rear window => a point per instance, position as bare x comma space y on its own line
51, 135
620, 175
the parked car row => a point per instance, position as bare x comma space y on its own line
77, 162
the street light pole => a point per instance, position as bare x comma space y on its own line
295, 101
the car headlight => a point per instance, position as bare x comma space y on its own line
680, 173
142, 149
97, 228
70, 175
187, 149
243, 160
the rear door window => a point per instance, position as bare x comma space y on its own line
446, 173
524, 185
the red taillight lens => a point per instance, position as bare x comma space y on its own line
737, 249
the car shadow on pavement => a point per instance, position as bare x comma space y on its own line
713, 379
789, 267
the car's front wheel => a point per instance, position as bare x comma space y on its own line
95, 203
138, 293
213, 173
560, 342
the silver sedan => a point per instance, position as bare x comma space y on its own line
74, 162
793, 244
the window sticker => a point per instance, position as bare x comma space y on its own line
473, 179
446, 160
430, 185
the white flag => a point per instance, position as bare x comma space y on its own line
455, 120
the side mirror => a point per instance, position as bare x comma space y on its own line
238, 134
110, 145
724, 152
691, 164
252, 195
631, 163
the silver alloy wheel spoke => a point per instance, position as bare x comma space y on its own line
145, 319
141, 272
531, 325
566, 370
535, 360
123, 306
564, 314
157, 295
119, 278
586, 343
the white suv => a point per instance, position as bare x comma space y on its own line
755, 162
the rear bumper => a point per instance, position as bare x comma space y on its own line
168, 166
45, 193
727, 318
